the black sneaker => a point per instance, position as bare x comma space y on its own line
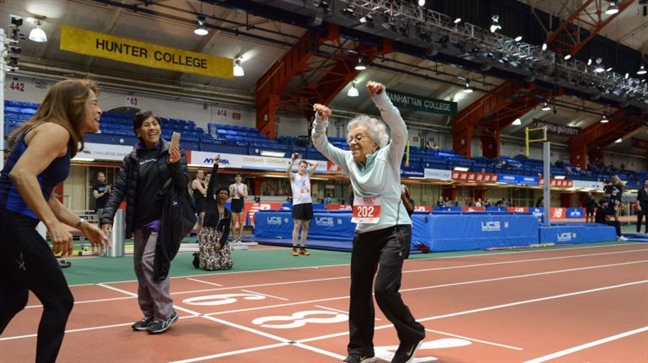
406, 353
143, 324
354, 358
196, 260
160, 326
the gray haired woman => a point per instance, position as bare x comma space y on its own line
384, 228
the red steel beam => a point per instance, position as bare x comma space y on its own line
566, 39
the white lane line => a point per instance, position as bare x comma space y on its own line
346, 296
530, 301
494, 307
69, 331
282, 342
266, 295
110, 299
565, 352
474, 340
204, 282
523, 276
117, 289
413, 289
338, 310
411, 261
523, 261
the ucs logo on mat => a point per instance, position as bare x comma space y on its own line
491, 226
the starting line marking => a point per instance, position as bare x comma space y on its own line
577, 348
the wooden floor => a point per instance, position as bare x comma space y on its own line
580, 304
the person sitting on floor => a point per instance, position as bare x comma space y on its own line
606, 210
215, 252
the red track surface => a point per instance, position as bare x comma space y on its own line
585, 304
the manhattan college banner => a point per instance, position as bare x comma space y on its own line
424, 104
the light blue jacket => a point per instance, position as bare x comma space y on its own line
381, 174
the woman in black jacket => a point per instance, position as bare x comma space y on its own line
215, 252
141, 179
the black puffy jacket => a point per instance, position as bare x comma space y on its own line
126, 183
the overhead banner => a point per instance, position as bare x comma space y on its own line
95, 44
556, 129
424, 104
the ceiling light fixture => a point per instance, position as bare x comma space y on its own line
567, 57
201, 29
421, 2
238, 70
360, 66
604, 120
517, 122
468, 89
599, 68
457, 21
642, 70
612, 8
544, 46
618, 141
37, 34
545, 106
353, 91
495, 26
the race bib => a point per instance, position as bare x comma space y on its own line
366, 210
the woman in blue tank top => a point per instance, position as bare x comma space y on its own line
41, 150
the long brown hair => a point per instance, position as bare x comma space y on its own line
64, 104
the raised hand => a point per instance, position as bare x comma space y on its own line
375, 88
322, 111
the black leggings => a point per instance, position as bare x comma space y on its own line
27, 263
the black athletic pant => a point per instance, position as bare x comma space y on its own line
27, 263
640, 215
383, 251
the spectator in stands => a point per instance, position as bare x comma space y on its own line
141, 179
590, 205
487, 203
215, 252
642, 207
239, 191
302, 211
441, 202
199, 191
539, 203
479, 203
382, 240
606, 210
39, 159
328, 200
101, 192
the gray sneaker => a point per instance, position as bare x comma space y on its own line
160, 326
143, 324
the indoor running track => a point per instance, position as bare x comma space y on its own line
580, 304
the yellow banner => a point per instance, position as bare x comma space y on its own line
150, 55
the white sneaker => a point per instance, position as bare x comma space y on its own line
621, 238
